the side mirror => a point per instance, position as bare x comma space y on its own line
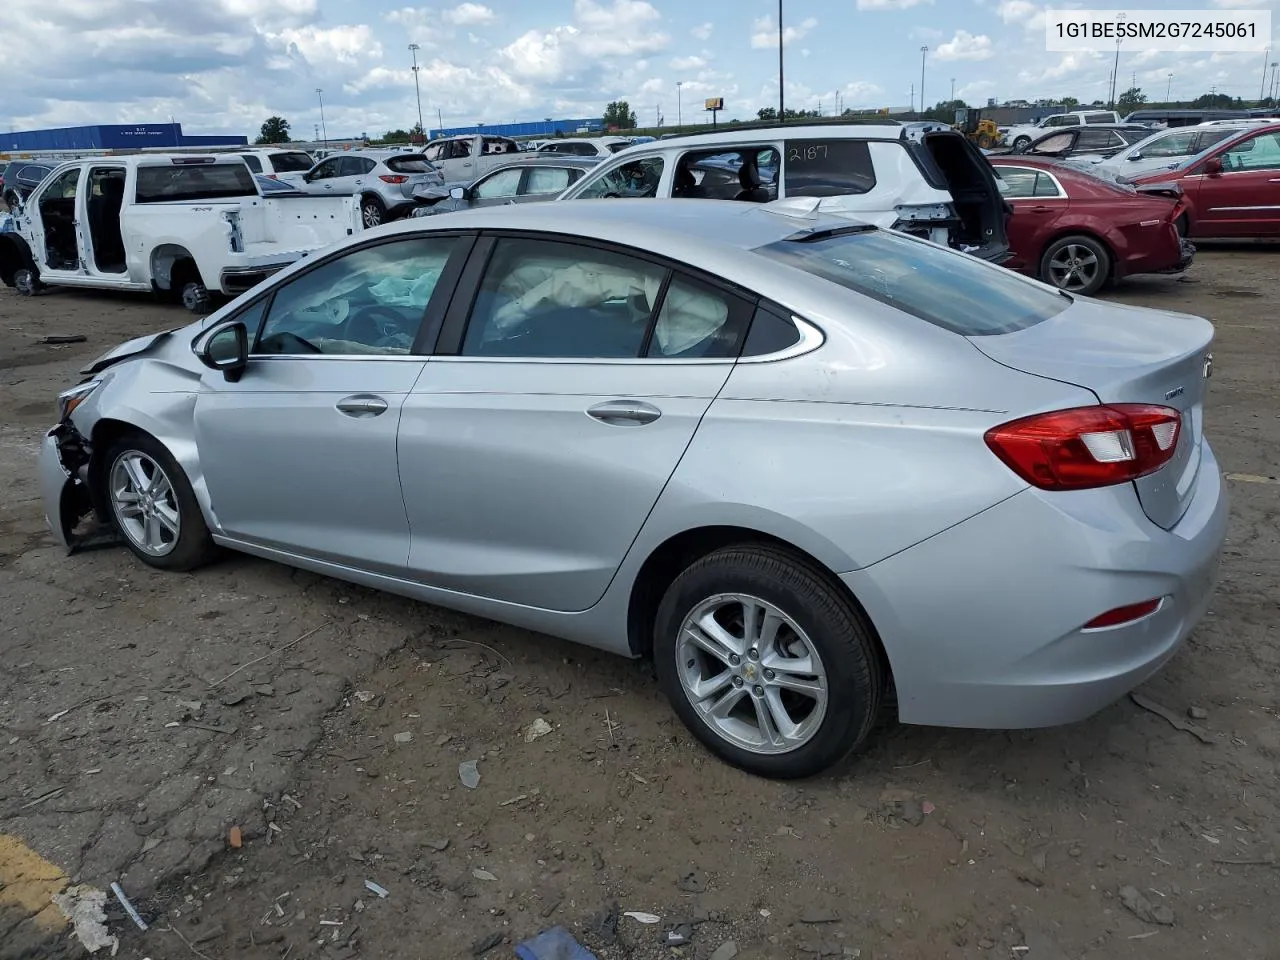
1213, 166
1135, 156
227, 349
458, 193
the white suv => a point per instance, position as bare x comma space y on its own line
932, 184
1021, 136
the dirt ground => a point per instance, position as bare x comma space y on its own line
143, 716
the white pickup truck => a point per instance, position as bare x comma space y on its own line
184, 226
464, 159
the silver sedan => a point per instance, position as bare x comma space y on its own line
803, 464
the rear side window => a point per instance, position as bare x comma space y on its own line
1099, 118
414, 163
253, 162
958, 293
770, 333
827, 168
290, 162
204, 182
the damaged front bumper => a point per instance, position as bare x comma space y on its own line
64, 486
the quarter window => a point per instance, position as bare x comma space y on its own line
698, 320
827, 168
368, 302
253, 162
550, 299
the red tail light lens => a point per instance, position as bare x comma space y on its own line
392, 178
1088, 446
1126, 614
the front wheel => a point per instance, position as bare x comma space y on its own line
195, 297
1076, 264
1021, 143
767, 662
27, 282
153, 507
372, 212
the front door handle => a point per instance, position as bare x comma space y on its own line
1040, 209
362, 405
1274, 180
624, 413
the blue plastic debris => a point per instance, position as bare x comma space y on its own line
553, 944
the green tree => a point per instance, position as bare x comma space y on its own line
274, 130
770, 114
399, 135
1130, 99
618, 115
1069, 102
1212, 101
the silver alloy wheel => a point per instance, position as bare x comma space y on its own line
1073, 267
145, 503
372, 213
751, 673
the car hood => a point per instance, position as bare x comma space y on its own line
126, 350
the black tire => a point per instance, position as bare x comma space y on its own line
27, 282
1085, 287
835, 626
10, 200
194, 546
373, 212
1021, 143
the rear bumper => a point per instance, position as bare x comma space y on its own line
1167, 252
983, 622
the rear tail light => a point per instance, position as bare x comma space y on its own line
392, 178
1125, 614
1088, 446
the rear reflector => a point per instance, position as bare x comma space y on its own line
1088, 446
1134, 611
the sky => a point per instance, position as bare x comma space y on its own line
223, 66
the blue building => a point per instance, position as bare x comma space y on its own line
118, 136
531, 128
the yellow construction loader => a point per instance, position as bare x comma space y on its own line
979, 130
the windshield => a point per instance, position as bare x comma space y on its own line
951, 290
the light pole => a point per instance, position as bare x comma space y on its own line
323, 130
1115, 72
1168, 90
413, 49
782, 111
1274, 64
953, 89
924, 53
1266, 56
679, 105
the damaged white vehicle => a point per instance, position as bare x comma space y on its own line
188, 227
931, 184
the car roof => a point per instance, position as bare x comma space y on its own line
746, 134
551, 160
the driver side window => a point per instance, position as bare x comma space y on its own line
369, 302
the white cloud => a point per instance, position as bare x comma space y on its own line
264, 10
1030, 15
598, 33
965, 46
688, 63
764, 32
703, 31
1238, 4
468, 14
352, 43
890, 4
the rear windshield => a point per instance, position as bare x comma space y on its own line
950, 290
291, 162
195, 182
415, 163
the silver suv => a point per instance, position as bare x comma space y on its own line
384, 180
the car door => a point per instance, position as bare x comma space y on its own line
569, 380
299, 454
322, 176
54, 211
1039, 203
1243, 200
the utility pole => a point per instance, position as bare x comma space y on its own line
924, 53
1168, 90
1115, 73
913, 96
440, 120
1266, 56
782, 111
414, 48
953, 89
323, 129
1274, 64
679, 104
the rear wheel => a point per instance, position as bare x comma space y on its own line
984, 141
767, 662
153, 507
1021, 143
372, 212
1076, 264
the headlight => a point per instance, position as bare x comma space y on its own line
68, 400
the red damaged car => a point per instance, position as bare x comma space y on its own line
1078, 231
1232, 189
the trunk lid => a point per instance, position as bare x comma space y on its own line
1126, 355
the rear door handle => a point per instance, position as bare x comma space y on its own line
1274, 180
1040, 209
624, 413
362, 405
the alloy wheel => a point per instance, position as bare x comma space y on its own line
145, 503
752, 674
372, 215
1074, 267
